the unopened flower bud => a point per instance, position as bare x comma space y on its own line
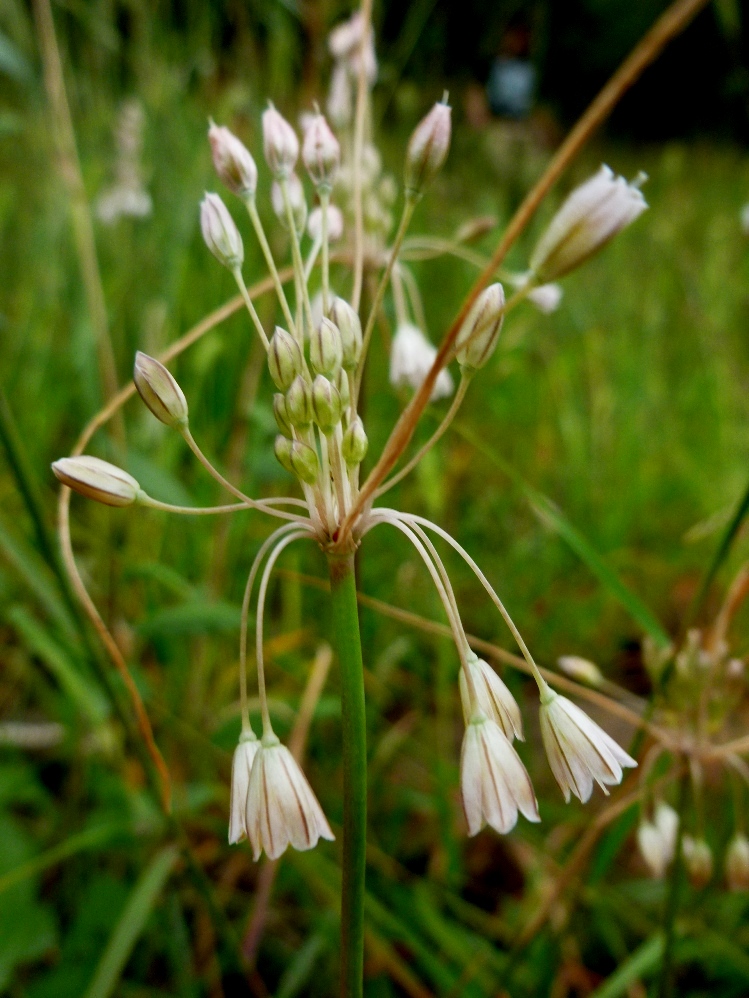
479, 333
339, 103
280, 144
326, 404
282, 449
349, 327
299, 402
321, 153
284, 359
344, 390
296, 200
232, 161
97, 479
354, 445
325, 348
282, 417
698, 859
220, 233
737, 863
427, 148
588, 219
159, 390
304, 462
335, 223
580, 669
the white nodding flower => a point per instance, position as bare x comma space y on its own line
241, 767
494, 784
220, 233
297, 201
280, 144
592, 215
411, 357
657, 839
345, 45
321, 153
335, 223
546, 297
581, 669
97, 479
737, 863
494, 699
282, 810
232, 161
340, 105
579, 751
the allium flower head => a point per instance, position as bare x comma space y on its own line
588, 219
97, 479
494, 784
579, 751
241, 767
411, 357
232, 161
282, 810
220, 233
494, 699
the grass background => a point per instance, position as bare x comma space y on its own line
628, 408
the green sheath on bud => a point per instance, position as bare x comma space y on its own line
479, 333
325, 348
282, 449
284, 359
349, 328
427, 149
326, 404
304, 462
159, 391
342, 384
299, 402
355, 443
282, 416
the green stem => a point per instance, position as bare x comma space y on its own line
348, 646
666, 984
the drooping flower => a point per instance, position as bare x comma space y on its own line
657, 839
592, 215
97, 479
737, 863
494, 699
579, 751
241, 767
698, 859
282, 809
494, 784
411, 357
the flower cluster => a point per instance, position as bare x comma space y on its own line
316, 356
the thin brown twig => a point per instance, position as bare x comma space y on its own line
670, 24
83, 230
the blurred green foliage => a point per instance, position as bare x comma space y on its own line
627, 408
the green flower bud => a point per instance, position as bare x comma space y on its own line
325, 348
304, 462
284, 358
349, 327
282, 449
159, 391
299, 402
479, 333
355, 443
326, 404
282, 415
342, 384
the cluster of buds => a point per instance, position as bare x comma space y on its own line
315, 356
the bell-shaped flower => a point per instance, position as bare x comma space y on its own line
282, 810
241, 767
657, 839
494, 783
579, 751
411, 357
493, 697
591, 216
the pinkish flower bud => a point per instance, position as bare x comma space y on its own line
159, 390
280, 144
232, 161
97, 479
220, 233
321, 153
427, 148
